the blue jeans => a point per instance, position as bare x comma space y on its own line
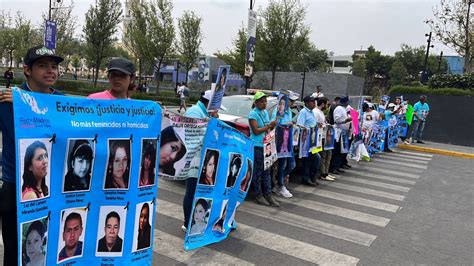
418, 127
311, 166
285, 166
262, 181
188, 199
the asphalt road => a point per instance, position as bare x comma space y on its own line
403, 208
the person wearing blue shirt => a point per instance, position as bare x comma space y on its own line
260, 123
421, 110
41, 68
307, 119
285, 165
199, 110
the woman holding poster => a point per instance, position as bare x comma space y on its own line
34, 172
260, 123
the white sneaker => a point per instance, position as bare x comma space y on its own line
332, 177
184, 228
285, 193
277, 191
328, 178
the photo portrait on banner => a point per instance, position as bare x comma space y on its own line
142, 230
79, 165
117, 176
304, 142
200, 216
219, 89
270, 150
208, 173
296, 136
147, 163
111, 231
284, 142
329, 140
282, 105
235, 164
34, 242
72, 232
35, 168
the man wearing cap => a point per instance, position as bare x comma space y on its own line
421, 109
307, 119
260, 124
285, 165
121, 74
41, 71
341, 123
199, 110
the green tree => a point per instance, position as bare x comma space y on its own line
311, 58
453, 25
358, 67
150, 34
99, 29
413, 59
235, 56
281, 34
398, 73
377, 68
190, 34
75, 62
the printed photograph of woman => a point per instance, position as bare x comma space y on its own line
282, 104
219, 225
283, 143
118, 166
244, 185
79, 165
235, 163
34, 243
209, 168
172, 149
201, 213
35, 184
144, 227
148, 163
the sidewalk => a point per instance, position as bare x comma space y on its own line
441, 148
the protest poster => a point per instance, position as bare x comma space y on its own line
284, 143
219, 90
384, 100
296, 136
355, 120
225, 176
329, 140
315, 145
269, 149
282, 105
377, 140
402, 126
304, 142
392, 132
180, 147
344, 141
97, 161
409, 114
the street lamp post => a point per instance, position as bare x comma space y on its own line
424, 74
439, 62
303, 77
466, 60
51, 8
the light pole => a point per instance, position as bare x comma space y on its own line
424, 75
439, 62
303, 77
51, 8
466, 60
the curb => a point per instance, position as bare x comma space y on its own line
437, 151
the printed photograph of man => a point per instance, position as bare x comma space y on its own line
35, 168
118, 166
79, 164
71, 235
34, 242
235, 163
113, 227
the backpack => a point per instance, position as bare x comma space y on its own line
186, 92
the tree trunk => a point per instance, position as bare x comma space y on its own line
11, 58
273, 77
187, 72
157, 77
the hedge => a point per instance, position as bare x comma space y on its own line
465, 81
429, 91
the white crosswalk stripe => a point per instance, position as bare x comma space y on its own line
375, 168
375, 183
381, 177
414, 153
406, 158
369, 191
403, 164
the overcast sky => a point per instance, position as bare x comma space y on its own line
341, 26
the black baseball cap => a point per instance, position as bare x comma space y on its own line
123, 65
40, 51
308, 98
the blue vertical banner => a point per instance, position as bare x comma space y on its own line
50, 34
223, 182
86, 179
219, 90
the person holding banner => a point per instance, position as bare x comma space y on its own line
421, 109
341, 122
259, 125
41, 71
121, 75
199, 110
307, 119
285, 165
325, 155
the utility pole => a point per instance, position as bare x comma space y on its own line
250, 46
467, 64
440, 59
303, 77
424, 75
178, 64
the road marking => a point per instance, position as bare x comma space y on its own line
408, 159
381, 177
306, 223
374, 183
385, 171
414, 153
338, 211
347, 198
398, 168
404, 164
172, 246
406, 156
282, 244
367, 191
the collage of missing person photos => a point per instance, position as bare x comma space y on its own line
35, 184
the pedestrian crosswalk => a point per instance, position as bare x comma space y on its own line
331, 224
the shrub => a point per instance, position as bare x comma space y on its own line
465, 81
429, 91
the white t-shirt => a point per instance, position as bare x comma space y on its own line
320, 118
317, 95
369, 119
